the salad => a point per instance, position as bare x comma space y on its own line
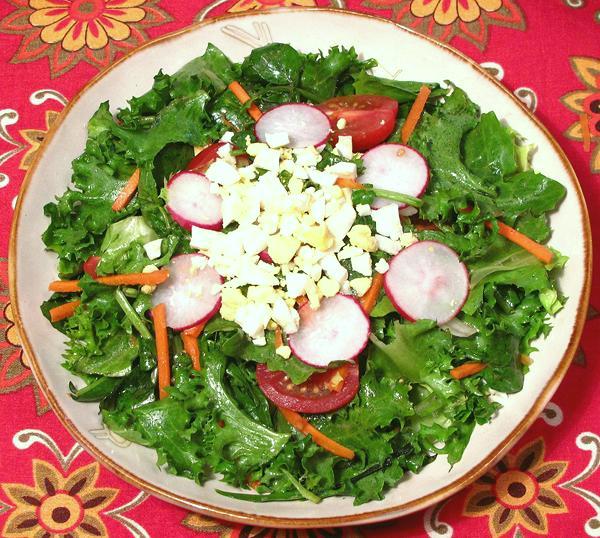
298, 276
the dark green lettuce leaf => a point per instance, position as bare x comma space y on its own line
489, 149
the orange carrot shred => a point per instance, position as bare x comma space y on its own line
64, 286
467, 369
135, 279
190, 343
414, 114
159, 318
63, 311
542, 253
584, 121
243, 97
349, 183
278, 337
127, 192
128, 279
369, 299
303, 426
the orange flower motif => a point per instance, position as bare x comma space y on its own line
447, 11
247, 5
518, 491
586, 101
80, 23
57, 505
70, 31
446, 19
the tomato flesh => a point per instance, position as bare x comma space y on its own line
90, 265
369, 119
209, 155
320, 393
205, 158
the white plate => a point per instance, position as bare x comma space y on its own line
309, 30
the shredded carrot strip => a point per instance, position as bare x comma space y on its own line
303, 426
349, 183
63, 311
127, 192
278, 337
369, 299
467, 369
64, 286
159, 318
542, 253
414, 114
190, 343
128, 279
135, 279
243, 97
584, 121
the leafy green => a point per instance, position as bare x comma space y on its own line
489, 150
122, 249
404, 91
408, 408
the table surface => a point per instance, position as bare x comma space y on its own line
547, 53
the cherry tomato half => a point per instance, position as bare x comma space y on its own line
90, 265
317, 394
205, 158
369, 119
208, 155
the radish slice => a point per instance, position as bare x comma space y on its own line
192, 293
396, 168
336, 331
427, 281
192, 204
304, 124
265, 256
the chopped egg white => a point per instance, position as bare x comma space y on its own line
382, 266
362, 264
387, 221
360, 285
306, 229
344, 146
268, 159
277, 140
152, 249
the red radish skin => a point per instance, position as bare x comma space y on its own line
395, 167
188, 293
265, 256
192, 204
427, 280
304, 124
336, 331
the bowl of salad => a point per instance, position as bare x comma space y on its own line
277, 274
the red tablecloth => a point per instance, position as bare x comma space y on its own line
547, 52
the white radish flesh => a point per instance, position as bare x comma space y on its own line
192, 293
192, 204
397, 168
336, 331
304, 124
427, 281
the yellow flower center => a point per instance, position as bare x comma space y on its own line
516, 489
60, 513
